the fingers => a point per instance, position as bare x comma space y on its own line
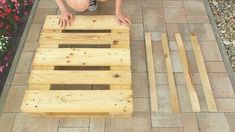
71, 16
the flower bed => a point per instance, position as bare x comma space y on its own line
224, 15
13, 17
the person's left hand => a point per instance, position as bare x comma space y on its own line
123, 19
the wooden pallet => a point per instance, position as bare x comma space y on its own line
94, 50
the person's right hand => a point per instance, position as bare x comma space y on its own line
65, 18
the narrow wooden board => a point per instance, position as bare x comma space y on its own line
79, 77
172, 87
78, 101
85, 22
84, 38
82, 57
151, 73
185, 67
203, 74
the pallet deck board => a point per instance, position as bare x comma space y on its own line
203, 74
185, 66
82, 57
74, 101
151, 73
83, 38
94, 22
172, 87
79, 77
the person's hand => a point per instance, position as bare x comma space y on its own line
65, 18
123, 19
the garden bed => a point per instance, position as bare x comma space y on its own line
13, 15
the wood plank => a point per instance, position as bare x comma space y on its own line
151, 73
185, 67
85, 38
172, 87
78, 101
203, 74
79, 77
82, 57
85, 22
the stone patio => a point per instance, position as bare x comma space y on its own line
157, 16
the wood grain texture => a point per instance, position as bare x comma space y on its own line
151, 73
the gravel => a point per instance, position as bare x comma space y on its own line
224, 14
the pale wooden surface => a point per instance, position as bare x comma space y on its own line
172, 87
184, 63
85, 101
82, 57
94, 22
203, 74
151, 73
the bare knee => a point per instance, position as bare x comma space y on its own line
78, 5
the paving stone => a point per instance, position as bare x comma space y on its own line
34, 33
154, 19
172, 28
173, 3
212, 122
231, 120
203, 31
195, 8
221, 85
74, 122
27, 123
167, 130
190, 122
225, 104
166, 119
138, 51
14, 99
24, 62
140, 122
30, 46
97, 124
152, 3
156, 36
198, 19
73, 130
215, 67
137, 32
47, 4
125, 4
134, 12
184, 100
140, 85
175, 15
20, 80
201, 98
213, 54
141, 104
163, 95
41, 14
6, 121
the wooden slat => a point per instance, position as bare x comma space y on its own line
185, 67
173, 92
92, 22
78, 101
203, 74
83, 38
79, 77
82, 57
151, 73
